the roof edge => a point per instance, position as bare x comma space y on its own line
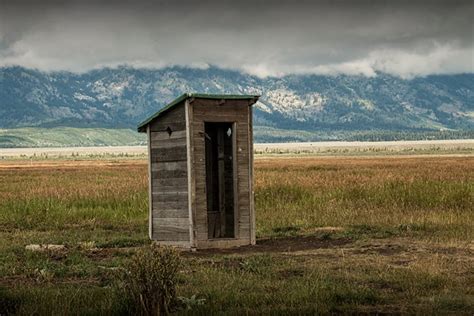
184, 96
141, 126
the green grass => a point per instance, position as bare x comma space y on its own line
69, 136
268, 134
372, 235
27, 137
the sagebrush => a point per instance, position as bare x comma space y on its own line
149, 281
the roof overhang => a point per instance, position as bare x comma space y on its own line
142, 126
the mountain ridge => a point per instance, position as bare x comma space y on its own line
124, 96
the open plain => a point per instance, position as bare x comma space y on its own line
332, 148
364, 234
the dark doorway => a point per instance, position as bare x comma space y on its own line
220, 179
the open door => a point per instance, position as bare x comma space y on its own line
220, 180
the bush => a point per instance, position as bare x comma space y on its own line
149, 282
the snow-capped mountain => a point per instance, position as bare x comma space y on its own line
124, 96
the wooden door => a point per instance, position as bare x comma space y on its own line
219, 179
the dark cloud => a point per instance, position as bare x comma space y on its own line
406, 38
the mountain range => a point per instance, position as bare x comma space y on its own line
119, 98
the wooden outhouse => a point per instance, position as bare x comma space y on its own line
200, 149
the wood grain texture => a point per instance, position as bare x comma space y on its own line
170, 196
235, 111
159, 126
253, 239
190, 171
150, 187
170, 204
174, 118
169, 184
178, 206
169, 166
177, 153
169, 142
157, 136
170, 213
168, 174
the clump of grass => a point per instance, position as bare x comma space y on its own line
257, 264
43, 275
191, 302
149, 281
283, 231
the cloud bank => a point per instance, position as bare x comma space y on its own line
264, 38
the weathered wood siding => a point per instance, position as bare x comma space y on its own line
169, 184
238, 112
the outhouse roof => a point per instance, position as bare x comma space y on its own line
142, 125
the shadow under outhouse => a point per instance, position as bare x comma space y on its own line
201, 171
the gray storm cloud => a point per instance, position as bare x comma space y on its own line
259, 37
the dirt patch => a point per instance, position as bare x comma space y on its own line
286, 244
99, 254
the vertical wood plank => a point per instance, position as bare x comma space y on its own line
150, 189
251, 191
190, 173
236, 181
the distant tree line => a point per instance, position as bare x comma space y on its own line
269, 135
407, 135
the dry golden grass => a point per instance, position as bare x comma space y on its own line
56, 195
432, 196
335, 235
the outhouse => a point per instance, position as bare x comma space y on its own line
200, 149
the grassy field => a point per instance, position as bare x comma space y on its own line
69, 136
335, 235
28, 137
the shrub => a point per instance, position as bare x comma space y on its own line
149, 282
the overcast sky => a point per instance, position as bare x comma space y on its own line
405, 38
